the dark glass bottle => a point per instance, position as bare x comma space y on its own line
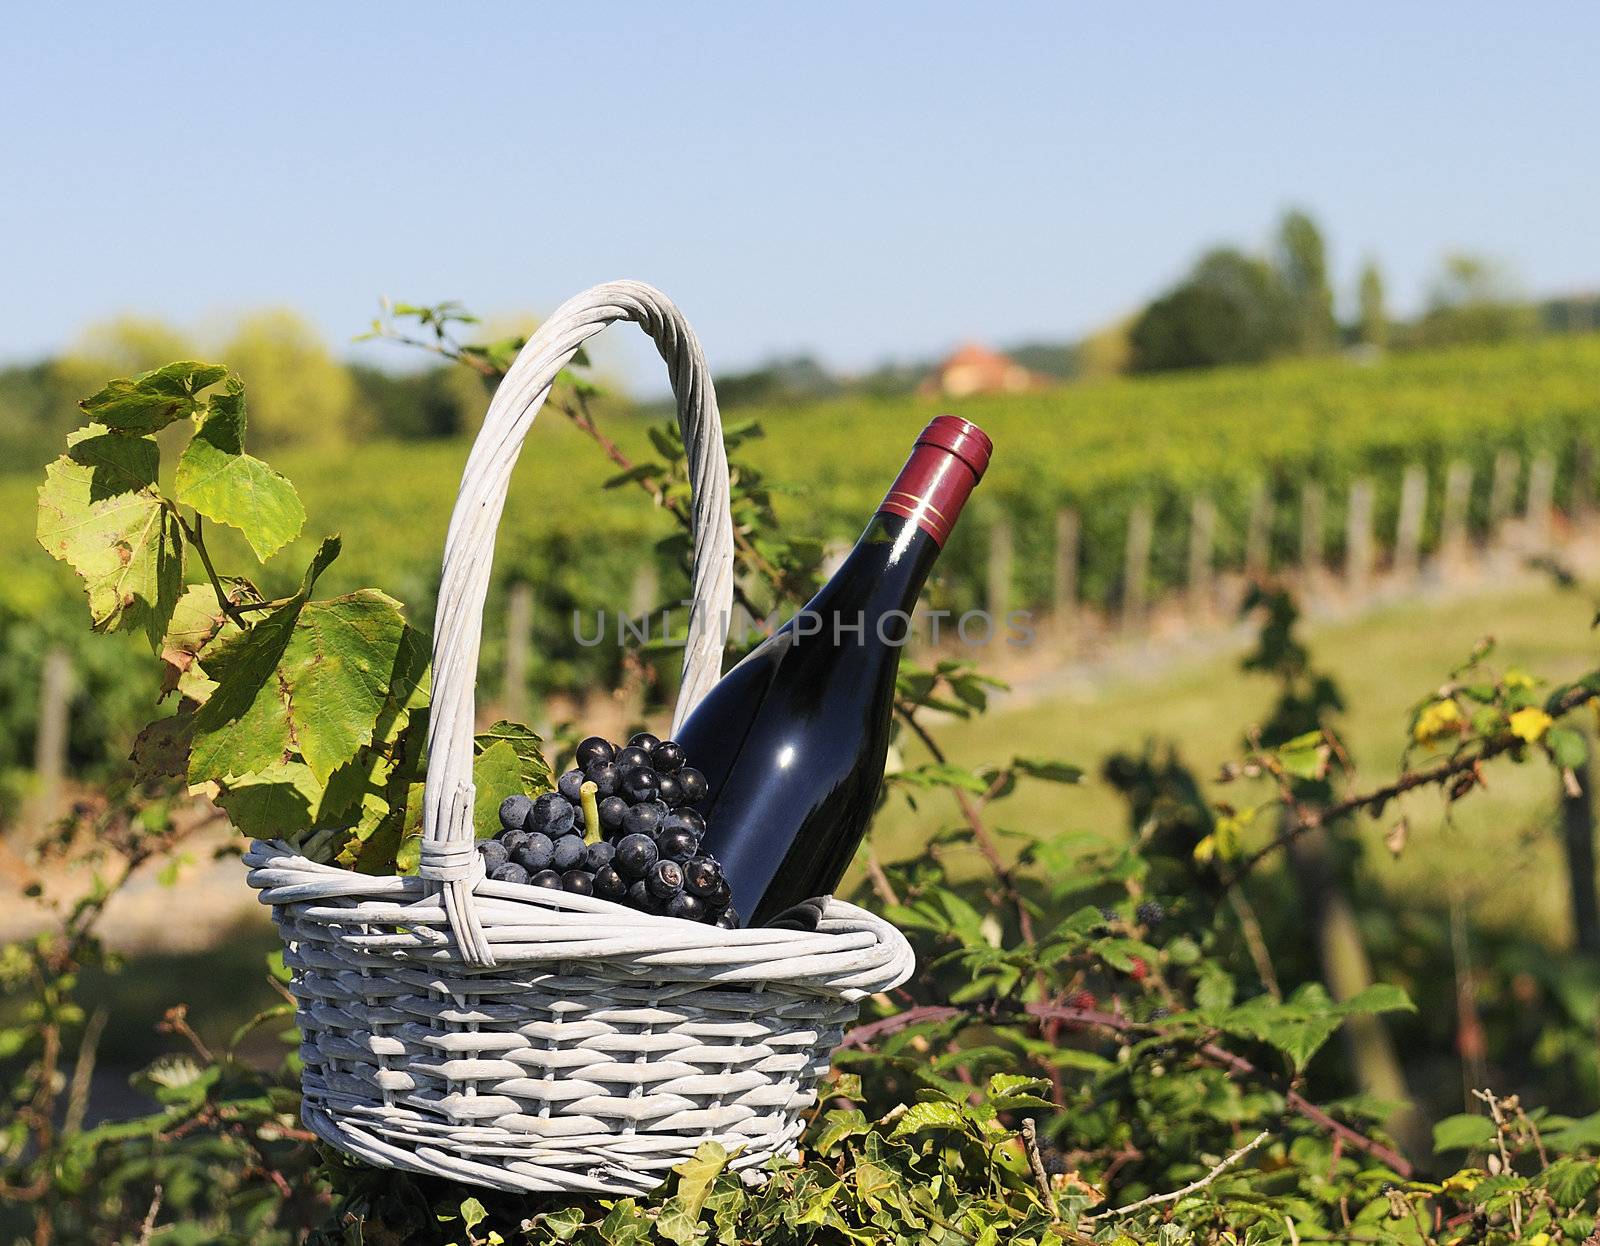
793, 739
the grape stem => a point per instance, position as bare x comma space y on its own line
591, 811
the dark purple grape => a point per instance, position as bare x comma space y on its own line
594, 749
535, 852
729, 919
569, 850
719, 895
631, 757
676, 845
671, 790
701, 876
643, 740
665, 881
695, 787
597, 854
612, 810
688, 818
604, 776
512, 840
690, 908
548, 879
510, 872
641, 819
578, 882
639, 897
570, 785
640, 784
514, 811
494, 854
553, 814
667, 756
636, 854
608, 884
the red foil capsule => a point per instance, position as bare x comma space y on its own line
946, 464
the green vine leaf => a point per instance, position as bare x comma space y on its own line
101, 513
150, 401
222, 482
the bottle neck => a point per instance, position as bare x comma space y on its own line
945, 466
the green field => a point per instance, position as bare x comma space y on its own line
1098, 448
1500, 847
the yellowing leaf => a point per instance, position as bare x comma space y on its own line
100, 513
150, 401
1530, 724
1437, 720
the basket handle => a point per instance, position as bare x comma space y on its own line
449, 855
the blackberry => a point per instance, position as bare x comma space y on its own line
569, 785
640, 784
695, 787
644, 740
631, 757
494, 854
548, 879
636, 855
510, 872
665, 881
535, 852
604, 776
612, 811
1151, 913
594, 749
514, 811
667, 756
569, 850
578, 882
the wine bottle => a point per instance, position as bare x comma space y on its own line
792, 740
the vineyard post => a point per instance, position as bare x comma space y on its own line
1202, 538
1577, 837
1312, 524
997, 590
1581, 506
519, 645
50, 746
1541, 497
1068, 535
1408, 527
1502, 493
1136, 565
1258, 532
1453, 521
1358, 539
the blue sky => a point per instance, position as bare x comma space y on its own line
859, 180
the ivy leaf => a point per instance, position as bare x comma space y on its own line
100, 513
150, 401
222, 482
679, 1219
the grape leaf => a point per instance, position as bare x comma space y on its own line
197, 620
100, 513
222, 482
150, 401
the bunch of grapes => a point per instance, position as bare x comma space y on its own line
646, 852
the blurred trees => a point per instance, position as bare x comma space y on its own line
1472, 300
299, 393
1302, 268
1372, 319
1232, 308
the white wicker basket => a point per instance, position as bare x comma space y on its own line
523, 1039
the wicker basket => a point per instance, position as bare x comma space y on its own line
523, 1039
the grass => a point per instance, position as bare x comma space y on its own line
1500, 846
